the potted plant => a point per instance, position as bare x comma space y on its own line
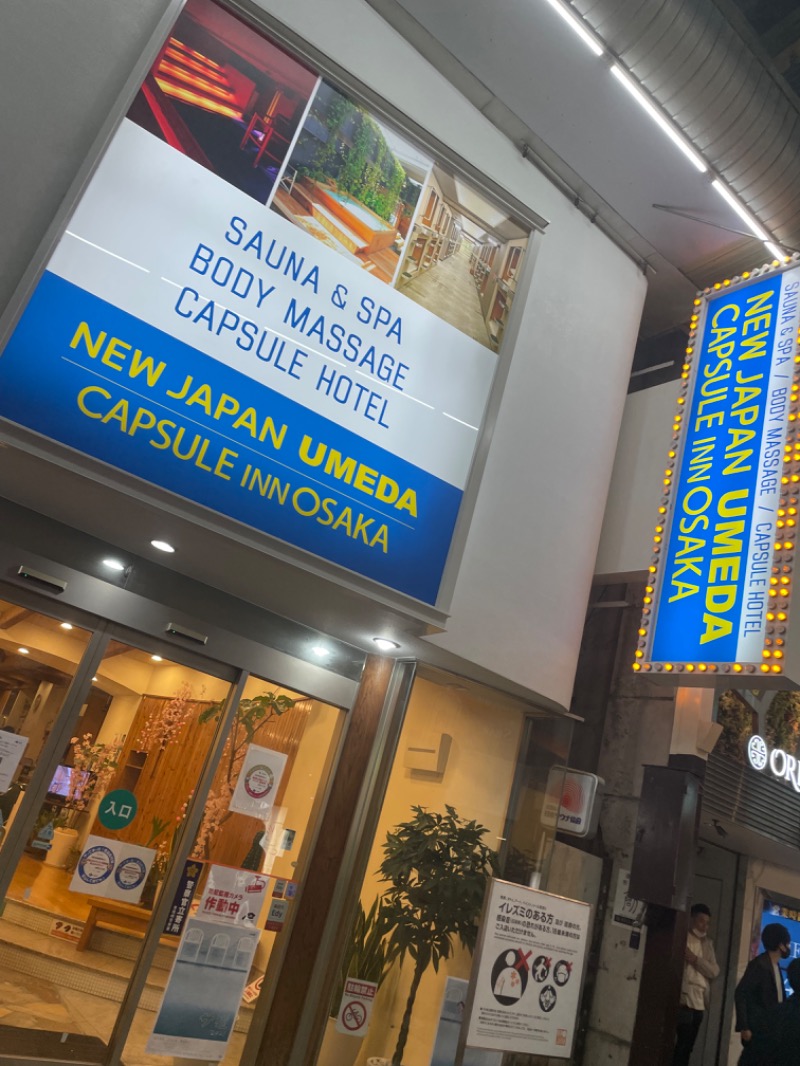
437, 867
364, 958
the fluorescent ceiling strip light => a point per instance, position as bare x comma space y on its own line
575, 23
751, 223
671, 131
774, 250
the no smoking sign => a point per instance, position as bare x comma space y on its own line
356, 1007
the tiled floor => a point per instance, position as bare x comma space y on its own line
448, 289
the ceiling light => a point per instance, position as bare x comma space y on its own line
320, 651
384, 644
774, 250
660, 120
23, 651
94, 679
66, 625
576, 24
751, 223
113, 564
156, 658
162, 545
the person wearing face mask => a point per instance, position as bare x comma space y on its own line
758, 993
700, 969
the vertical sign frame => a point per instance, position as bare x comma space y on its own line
529, 1004
425, 604
721, 572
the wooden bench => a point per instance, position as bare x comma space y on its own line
116, 915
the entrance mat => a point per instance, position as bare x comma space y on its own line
45, 1046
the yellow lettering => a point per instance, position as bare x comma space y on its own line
82, 334
86, 392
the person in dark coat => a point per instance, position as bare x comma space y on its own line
758, 993
784, 1046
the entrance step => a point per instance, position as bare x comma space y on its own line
106, 941
27, 948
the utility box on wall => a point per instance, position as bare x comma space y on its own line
663, 857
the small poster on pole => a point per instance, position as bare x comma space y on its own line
356, 1007
527, 974
257, 785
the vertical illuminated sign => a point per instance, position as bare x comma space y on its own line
723, 554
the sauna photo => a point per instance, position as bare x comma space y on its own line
352, 183
463, 258
225, 96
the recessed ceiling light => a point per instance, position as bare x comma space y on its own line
23, 651
320, 651
156, 658
162, 545
66, 625
113, 564
386, 645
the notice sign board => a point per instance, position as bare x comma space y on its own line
527, 973
356, 1007
724, 548
235, 312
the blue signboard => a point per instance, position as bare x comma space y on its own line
228, 315
713, 571
86, 373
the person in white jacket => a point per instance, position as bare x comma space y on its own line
699, 970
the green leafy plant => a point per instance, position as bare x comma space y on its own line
736, 719
782, 726
437, 867
365, 954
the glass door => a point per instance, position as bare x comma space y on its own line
83, 889
240, 880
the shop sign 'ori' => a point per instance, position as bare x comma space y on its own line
721, 574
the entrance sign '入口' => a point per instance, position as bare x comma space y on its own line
721, 573
233, 312
527, 973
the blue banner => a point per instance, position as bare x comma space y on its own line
713, 579
83, 372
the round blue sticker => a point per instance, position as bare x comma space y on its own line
130, 873
95, 865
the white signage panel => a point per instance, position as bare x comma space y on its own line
356, 1007
258, 781
528, 971
572, 801
12, 748
112, 869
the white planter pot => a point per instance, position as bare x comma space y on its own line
338, 1049
64, 840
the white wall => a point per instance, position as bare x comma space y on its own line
633, 500
521, 592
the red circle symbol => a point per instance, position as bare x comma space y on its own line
354, 1015
572, 796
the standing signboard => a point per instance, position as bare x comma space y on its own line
236, 312
721, 571
527, 974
